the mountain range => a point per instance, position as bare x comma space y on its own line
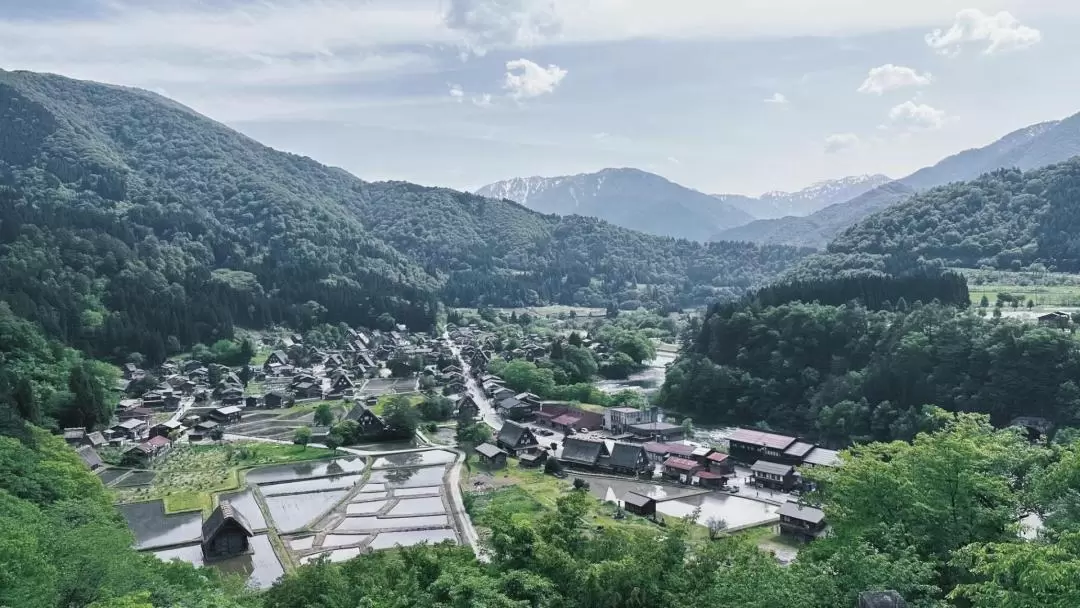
1027, 148
129, 222
647, 202
773, 205
630, 198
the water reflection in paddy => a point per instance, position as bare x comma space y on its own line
414, 459
311, 485
366, 524
365, 508
417, 491
153, 528
373, 487
409, 477
110, 475
244, 502
261, 567
303, 470
388, 540
339, 555
341, 540
416, 506
291, 513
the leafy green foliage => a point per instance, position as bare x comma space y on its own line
843, 374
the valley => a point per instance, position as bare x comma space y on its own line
296, 387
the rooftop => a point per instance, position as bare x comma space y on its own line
802, 512
769, 440
772, 468
681, 463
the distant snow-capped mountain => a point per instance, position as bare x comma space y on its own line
772, 205
630, 198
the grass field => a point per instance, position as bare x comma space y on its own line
189, 476
1044, 296
529, 493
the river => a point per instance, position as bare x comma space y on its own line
646, 381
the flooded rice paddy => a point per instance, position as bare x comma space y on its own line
336, 508
294, 512
153, 528
305, 470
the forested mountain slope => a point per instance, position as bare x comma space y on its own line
630, 198
1028, 148
1007, 219
131, 223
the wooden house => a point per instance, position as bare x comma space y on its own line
773, 475
491, 456
225, 533
341, 381
1056, 320
801, 521
720, 463
656, 431
165, 429
658, 452
274, 399
680, 469
74, 436
582, 453
226, 415
516, 439
748, 445
90, 457
626, 459
639, 504
369, 422
531, 460
145, 453
133, 429
467, 406
277, 358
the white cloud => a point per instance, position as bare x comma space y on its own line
777, 98
525, 79
486, 24
839, 142
1002, 32
457, 93
915, 116
483, 100
889, 77
673, 160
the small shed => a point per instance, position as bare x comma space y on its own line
225, 533
226, 414
532, 460
639, 504
90, 457
491, 456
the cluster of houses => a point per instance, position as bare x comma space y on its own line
213, 396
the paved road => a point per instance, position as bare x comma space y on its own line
487, 410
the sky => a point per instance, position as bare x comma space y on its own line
725, 96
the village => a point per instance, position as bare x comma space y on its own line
290, 486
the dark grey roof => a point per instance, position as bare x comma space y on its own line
881, 599
823, 457
90, 456
511, 433
633, 498
583, 451
511, 403
773, 468
228, 411
802, 512
626, 455
74, 433
799, 449
223, 514
489, 451
96, 439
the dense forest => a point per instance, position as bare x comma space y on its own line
130, 223
843, 374
874, 291
1006, 219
